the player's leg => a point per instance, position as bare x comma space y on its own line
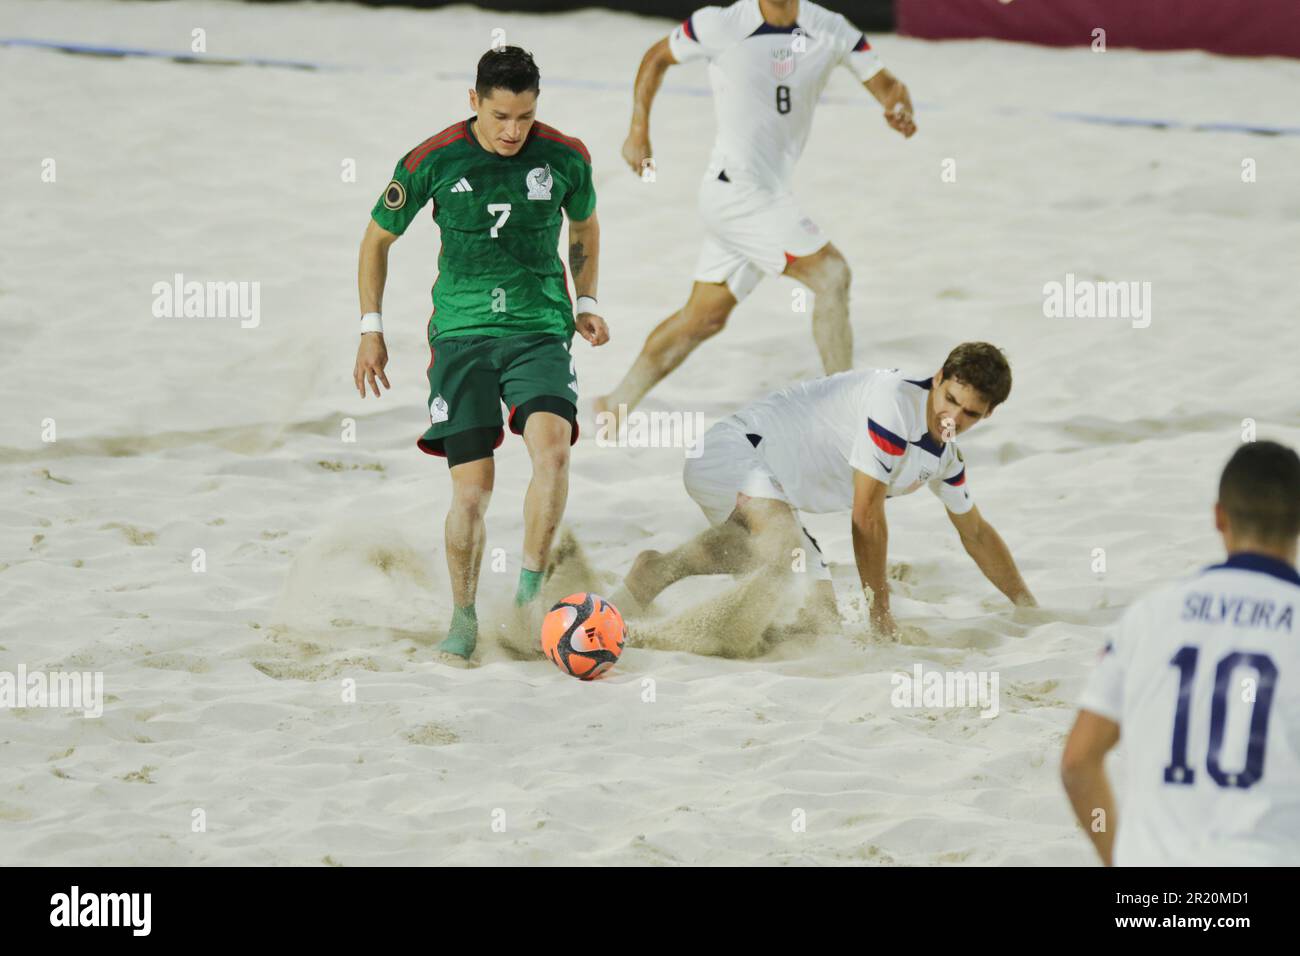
472, 475
465, 427
703, 316
775, 237
539, 383
826, 273
723, 277
547, 436
722, 480
721, 549
774, 534
465, 531
761, 532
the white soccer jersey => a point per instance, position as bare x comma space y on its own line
1203, 678
814, 435
766, 81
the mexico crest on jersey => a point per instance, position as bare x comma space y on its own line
782, 62
438, 411
539, 182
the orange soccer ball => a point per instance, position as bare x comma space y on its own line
583, 635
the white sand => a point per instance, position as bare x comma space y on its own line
324, 558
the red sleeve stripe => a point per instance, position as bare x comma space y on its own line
862, 44
886, 440
957, 480
575, 144
688, 27
416, 156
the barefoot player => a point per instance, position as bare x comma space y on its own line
845, 443
768, 62
502, 321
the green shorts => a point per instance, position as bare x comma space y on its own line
470, 376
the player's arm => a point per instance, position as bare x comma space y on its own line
1083, 773
649, 76
892, 94
372, 267
871, 546
990, 552
863, 63
372, 274
403, 197
702, 35
584, 263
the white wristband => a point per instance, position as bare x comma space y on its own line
586, 304
371, 322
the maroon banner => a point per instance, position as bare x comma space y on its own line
1239, 27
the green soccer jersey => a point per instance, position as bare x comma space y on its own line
499, 269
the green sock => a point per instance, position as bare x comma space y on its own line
463, 633
530, 582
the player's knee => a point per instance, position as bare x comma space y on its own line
831, 275
782, 550
470, 501
547, 424
707, 319
775, 536
551, 455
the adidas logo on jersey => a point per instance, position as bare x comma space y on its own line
462, 186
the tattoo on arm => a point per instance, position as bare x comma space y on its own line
577, 258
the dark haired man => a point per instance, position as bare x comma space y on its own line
502, 318
1204, 677
846, 442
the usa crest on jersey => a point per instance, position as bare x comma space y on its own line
782, 62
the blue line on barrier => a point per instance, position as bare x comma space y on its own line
698, 91
90, 49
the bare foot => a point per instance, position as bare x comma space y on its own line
608, 415
455, 660
645, 580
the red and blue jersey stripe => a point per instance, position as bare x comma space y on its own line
884, 439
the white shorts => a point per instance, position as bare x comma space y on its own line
751, 231
729, 465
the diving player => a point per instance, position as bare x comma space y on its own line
502, 319
846, 442
1203, 677
768, 62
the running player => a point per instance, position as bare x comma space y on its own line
768, 62
846, 442
1204, 678
502, 319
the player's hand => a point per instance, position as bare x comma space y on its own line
372, 356
898, 110
591, 327
636, 150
